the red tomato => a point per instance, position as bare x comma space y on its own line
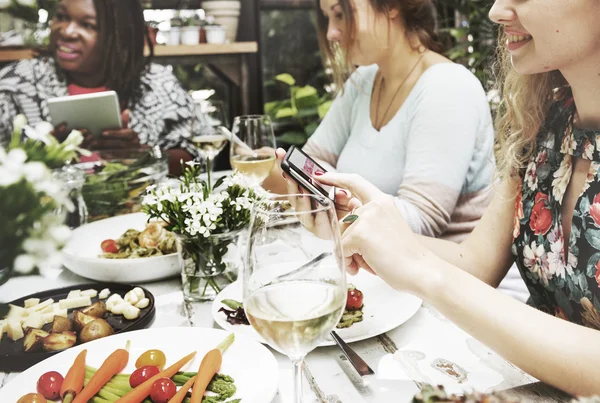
163, 390
49, 385
142, 374
109, 246
355, 300
32, 398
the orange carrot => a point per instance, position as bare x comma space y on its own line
73, 382
140, 392
208, 368
111, 366
180, 395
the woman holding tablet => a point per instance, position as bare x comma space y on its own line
95, 46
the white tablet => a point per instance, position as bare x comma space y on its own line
96, 112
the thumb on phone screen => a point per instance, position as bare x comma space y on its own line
125, 118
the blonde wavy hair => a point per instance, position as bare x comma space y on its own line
523, 107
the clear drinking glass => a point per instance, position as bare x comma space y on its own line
293, 278
254, 153
207, 133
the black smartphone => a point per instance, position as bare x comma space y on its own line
301, 168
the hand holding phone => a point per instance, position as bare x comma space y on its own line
301, 168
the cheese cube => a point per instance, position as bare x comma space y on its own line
74, 302
62, 312
14, 330
34, 320
41, 306
48, 317
89, 293
104, 293
16, 312
74, 294
31, 302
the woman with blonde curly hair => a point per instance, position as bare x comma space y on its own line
545, 215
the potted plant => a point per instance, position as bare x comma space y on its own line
190, 31
226, 13
174, 38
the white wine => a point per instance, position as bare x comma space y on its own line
295, 316
258, 167
210, 145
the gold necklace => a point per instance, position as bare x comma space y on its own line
381, 82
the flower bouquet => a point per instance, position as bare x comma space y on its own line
207, 221
32, 198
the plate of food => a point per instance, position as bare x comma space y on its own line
154, 364
42, 324
372, 308
123, 249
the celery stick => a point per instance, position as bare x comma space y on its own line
115, 391
111, 397
97, 399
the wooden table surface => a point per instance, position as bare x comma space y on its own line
328, 376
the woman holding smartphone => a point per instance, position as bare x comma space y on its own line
410, 121
545, 214
95, 46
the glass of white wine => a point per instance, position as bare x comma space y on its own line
208, 135
257, 157
294, 282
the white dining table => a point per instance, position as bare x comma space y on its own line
402, 358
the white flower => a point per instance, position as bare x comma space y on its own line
27, 3
556, 264
531, 175
561, 178
36, 171
39, 247
60, 234
74, 139
41, 132
594, 166
536, 261
19, 123
24, 264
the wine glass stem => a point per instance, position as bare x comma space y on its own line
208, 165
298, 365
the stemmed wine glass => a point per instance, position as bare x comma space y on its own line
209, 136
253, 152
293, 277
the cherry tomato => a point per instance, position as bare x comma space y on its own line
32, 398
163, 390
152, 357
49, 385
355, 300
142, 374
109, 246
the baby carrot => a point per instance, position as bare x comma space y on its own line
208, 368
180, 395
140, 392
73, 382
114, 364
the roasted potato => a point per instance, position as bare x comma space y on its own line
96, 329
34, 338
97, 309
80, 319
59, 341
61, 324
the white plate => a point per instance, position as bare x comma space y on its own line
247, 362
81, 254
384, 309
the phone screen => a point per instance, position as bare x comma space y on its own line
305, 165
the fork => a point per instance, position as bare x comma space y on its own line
358, 363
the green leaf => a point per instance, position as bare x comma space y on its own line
307, 113
286, 113
311, 128
305, 92
286, 78
233, 304
593, 237
292, 138
591, 265
219, 182
324, 108
305, 97
584, 205
272, 106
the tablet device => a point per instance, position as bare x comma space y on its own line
96, 112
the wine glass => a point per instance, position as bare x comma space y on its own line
293, 280
208, 135
254, 154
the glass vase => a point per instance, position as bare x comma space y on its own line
208, 264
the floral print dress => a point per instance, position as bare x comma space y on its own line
565, 286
